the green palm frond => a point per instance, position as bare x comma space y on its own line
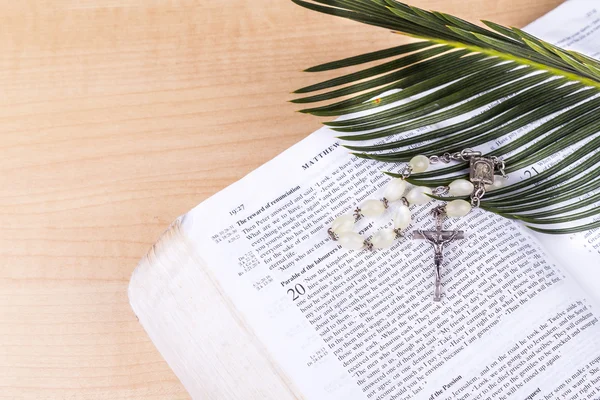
479, 85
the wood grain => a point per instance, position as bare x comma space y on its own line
115, 118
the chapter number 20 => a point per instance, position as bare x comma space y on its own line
297, 291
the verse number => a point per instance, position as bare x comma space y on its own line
297, 291
237, 209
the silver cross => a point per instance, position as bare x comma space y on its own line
438, 239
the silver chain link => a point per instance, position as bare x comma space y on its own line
405, 173
464, 155
441, 190
477, 195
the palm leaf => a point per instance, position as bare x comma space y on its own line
480, 85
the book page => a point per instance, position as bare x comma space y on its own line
579, 253
363, 325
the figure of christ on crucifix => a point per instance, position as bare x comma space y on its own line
438, 239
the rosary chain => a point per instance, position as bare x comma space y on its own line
440, 211
406, 171
386, 203
446, 158
501, 165
440, 190
332, 235
477, 195
357, 214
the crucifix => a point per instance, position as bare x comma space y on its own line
438, 239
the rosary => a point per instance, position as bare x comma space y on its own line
482, 179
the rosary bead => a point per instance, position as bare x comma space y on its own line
461, 187
458, 208
499, 182
372, 208
419, 163
351, 240
418, 195
383, 238
402, 217
343, 223
395, 189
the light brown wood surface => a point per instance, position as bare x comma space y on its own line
117, 116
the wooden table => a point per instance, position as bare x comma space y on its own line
117, 116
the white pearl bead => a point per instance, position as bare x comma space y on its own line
458, 208
419, 163
372, 208
395, 189
343, 223
383, 238
351, 240
418, 195
499, 181
461, 187
402, 217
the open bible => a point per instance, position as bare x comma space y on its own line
247, 297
